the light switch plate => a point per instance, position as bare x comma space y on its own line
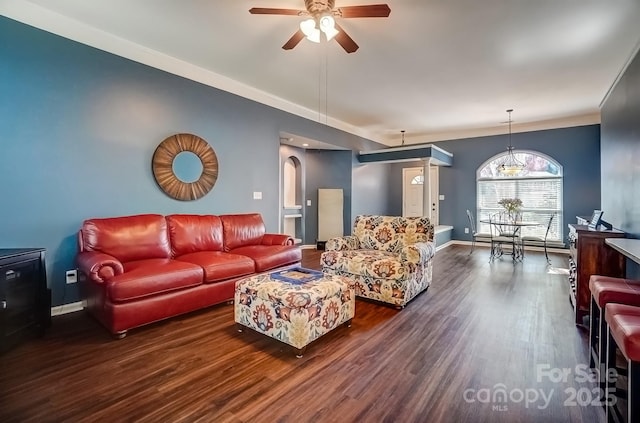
71, 276
441, 197
257, 195
308, 202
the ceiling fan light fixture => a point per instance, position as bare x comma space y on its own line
328, 26
322, 13
308, 27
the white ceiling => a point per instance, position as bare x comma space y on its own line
438, 69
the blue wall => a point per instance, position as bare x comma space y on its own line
78, 129
326, 169
372, 189
621, 156
395, 195
576, 149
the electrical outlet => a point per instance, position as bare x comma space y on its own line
308, 203
466, 230
257, 195
72, 276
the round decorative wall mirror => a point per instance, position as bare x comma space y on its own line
185, 167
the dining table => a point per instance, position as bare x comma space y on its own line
508, 233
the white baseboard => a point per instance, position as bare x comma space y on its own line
308, 247
487, 245
445, 245
66, 308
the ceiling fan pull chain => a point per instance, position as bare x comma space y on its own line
326, 84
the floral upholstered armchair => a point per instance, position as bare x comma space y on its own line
388, 258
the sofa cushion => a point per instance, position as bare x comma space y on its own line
190, 233
242, 229
127, 238
219, 265
144, 278
373, 263
269, 257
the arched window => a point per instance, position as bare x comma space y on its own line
418, 180
539, 186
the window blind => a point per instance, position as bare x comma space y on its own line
541, 197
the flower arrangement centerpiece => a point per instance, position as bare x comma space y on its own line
512, 206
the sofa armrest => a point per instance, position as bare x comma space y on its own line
277, 239
420, 252
98, 266
342, 243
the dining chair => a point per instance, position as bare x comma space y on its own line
474, 231
540, 239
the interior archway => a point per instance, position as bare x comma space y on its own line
292, 198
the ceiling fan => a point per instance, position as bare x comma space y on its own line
321, 20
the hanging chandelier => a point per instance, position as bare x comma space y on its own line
511, 166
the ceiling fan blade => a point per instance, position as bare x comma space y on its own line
345, 41
294, 40
366, 11
270, 11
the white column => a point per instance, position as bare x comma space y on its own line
426, 195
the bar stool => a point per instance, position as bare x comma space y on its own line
623, 333
604, 290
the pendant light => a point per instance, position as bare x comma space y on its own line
511, 166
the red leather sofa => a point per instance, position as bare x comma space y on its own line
140, 269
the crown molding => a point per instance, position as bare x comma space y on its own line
632, 56
567, 122
58, 24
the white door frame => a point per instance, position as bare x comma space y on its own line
434, 179
430, 189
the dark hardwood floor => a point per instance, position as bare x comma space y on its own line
480, 330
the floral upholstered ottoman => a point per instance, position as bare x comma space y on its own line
295, 306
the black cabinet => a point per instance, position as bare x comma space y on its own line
25, 301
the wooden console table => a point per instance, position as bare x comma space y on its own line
590, 256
